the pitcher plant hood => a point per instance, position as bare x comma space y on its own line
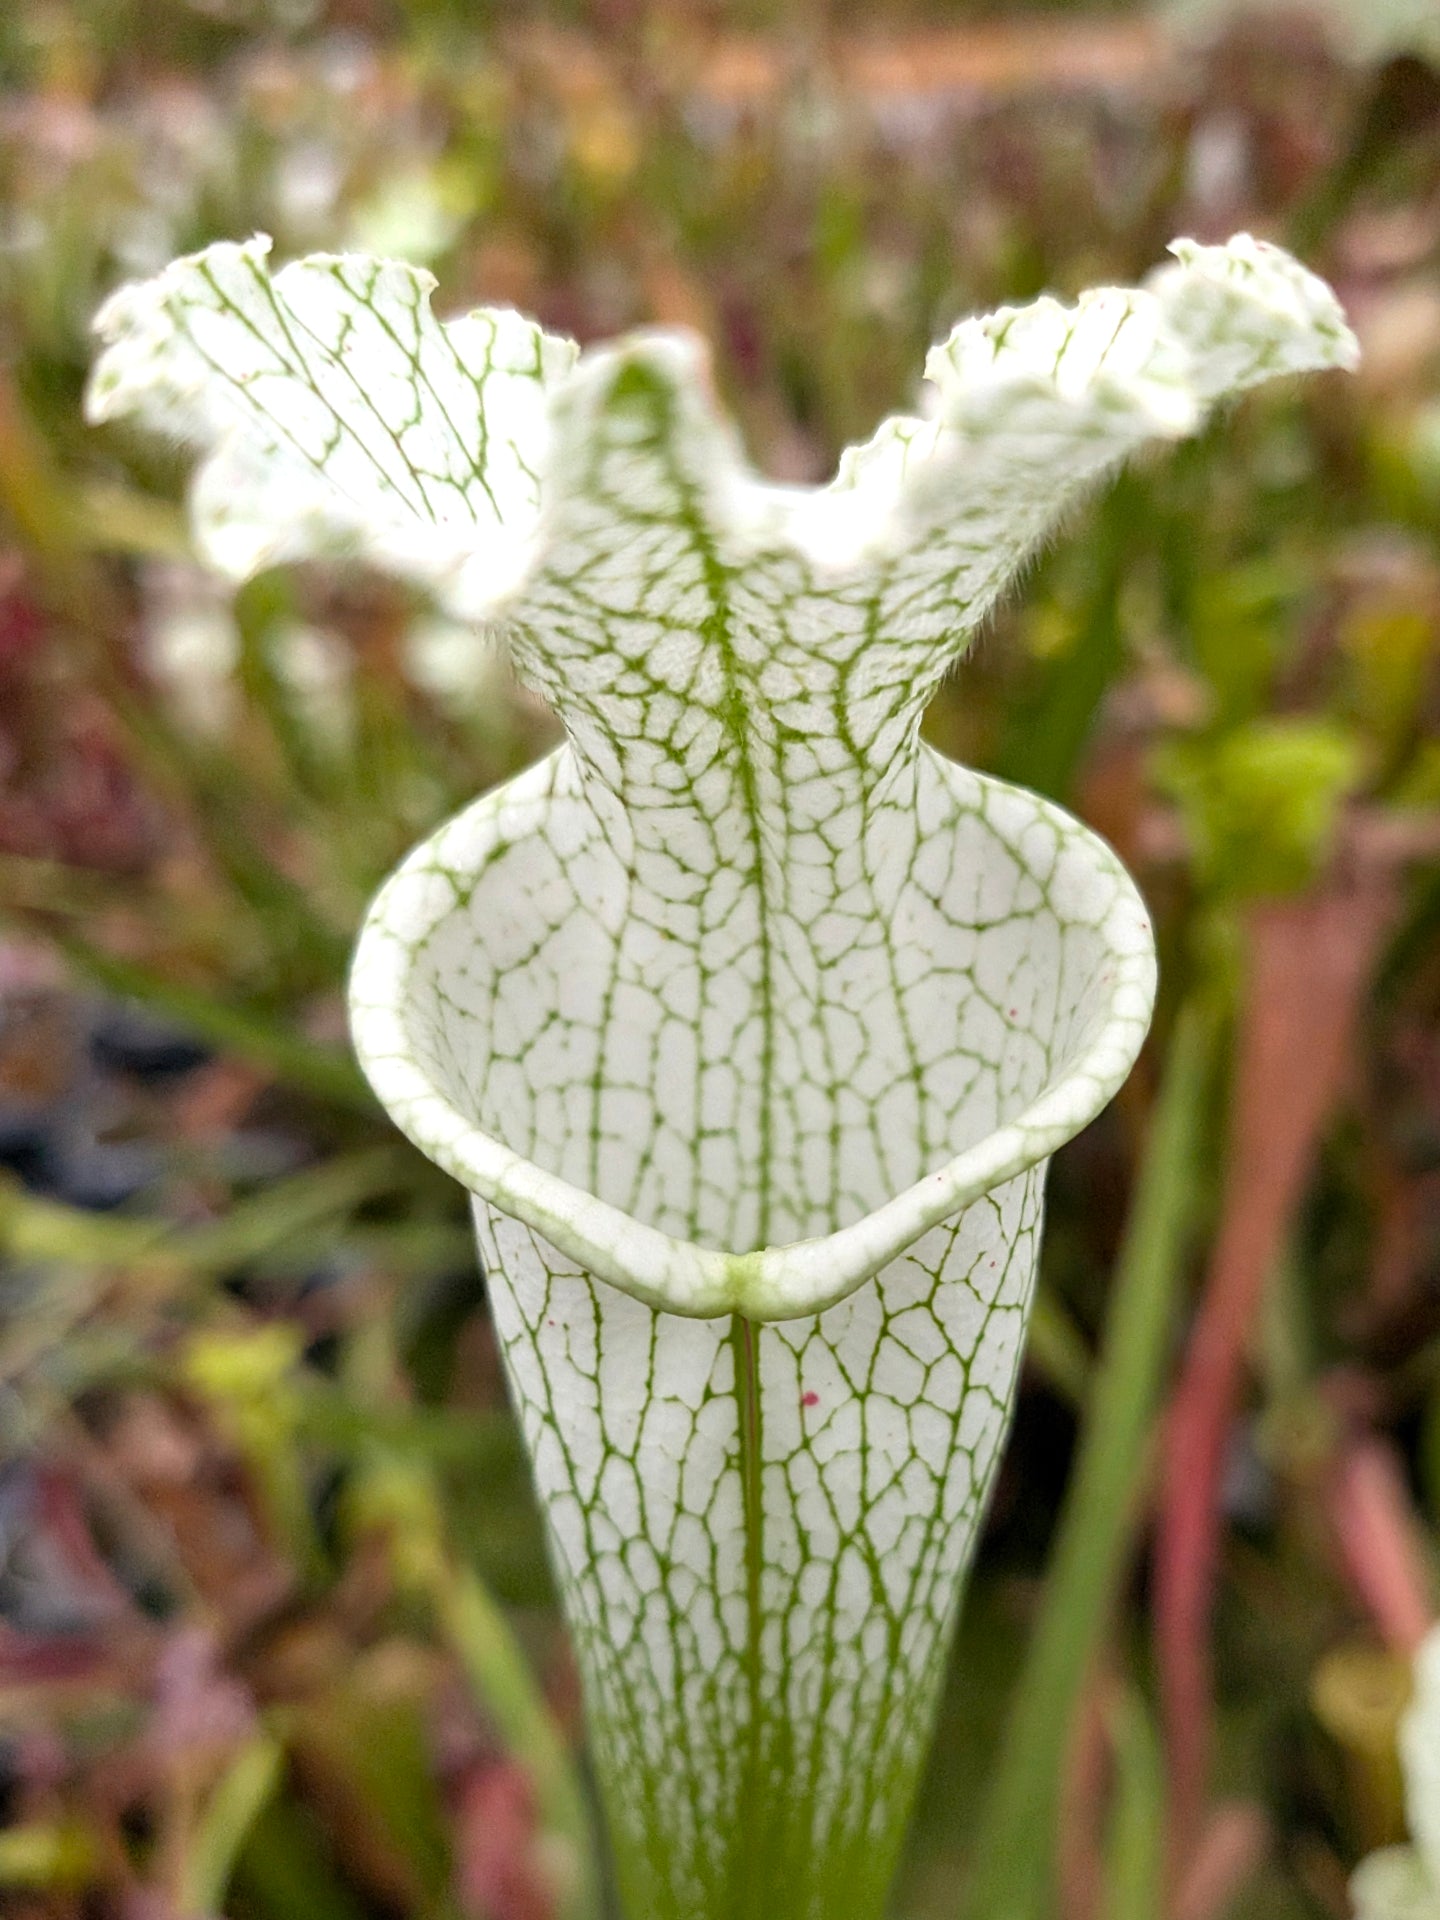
743, 990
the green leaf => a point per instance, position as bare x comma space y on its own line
33, 1227
1261, 803
1134, 1886
56, 1857
234, 1806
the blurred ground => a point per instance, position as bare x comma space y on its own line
245, 1664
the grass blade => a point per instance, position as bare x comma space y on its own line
1135, 1854
1014, 1851
233, 1808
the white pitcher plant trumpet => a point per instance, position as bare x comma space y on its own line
748, 1020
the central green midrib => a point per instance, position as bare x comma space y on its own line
749, 1896
748, 1892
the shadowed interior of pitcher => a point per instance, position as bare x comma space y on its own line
759, 1064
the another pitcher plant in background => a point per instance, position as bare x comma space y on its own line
1403, 1883
748, 1020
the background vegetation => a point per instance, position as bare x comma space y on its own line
276, 1635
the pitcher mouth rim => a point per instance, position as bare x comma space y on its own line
674, 1275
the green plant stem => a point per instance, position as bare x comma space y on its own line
1135, 1853
244, 1790
1014, 1849
1056, 1348
285, 1868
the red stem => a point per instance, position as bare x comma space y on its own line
1309, 962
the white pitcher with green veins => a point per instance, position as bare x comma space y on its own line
749, 1021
